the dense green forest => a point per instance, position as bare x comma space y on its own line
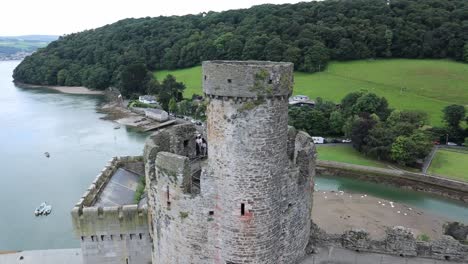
309, 34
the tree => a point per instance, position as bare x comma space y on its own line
360, 129
454, 114
407, 149
315, 58
465, 52
170, 89
133, 79
336, 122
184, 107
172, 106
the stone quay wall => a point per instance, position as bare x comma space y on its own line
416, 181
398, 241
114, 234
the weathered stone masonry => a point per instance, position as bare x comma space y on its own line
251, 200
112, 234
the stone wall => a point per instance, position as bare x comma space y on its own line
117, 234
409, 180
398, 241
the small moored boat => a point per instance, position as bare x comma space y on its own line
47, 209
40, 210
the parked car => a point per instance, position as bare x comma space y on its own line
451, 144
346, 140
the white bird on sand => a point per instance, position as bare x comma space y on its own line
398, 212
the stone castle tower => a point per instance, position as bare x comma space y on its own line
250, 200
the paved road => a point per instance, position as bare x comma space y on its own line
344, 256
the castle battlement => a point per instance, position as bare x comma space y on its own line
251, 79
112, 228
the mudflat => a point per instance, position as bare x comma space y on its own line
337, 211
63, 89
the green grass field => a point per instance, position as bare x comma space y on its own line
427, 85
346, 154
453, 164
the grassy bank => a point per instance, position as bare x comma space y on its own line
453, 164
426, 85
346, 154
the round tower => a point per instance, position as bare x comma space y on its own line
247, 138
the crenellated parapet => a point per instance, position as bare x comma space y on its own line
112, 234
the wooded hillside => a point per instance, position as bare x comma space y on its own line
308, 34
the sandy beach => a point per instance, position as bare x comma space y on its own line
336, 212
63, 89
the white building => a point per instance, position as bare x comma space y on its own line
147, 99
156, 114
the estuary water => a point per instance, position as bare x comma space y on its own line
34, 121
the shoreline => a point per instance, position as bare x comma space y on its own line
63, 89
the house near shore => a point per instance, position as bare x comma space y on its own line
157, 114
147, 99
301, 100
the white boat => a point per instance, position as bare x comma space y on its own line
47, 209
40, 210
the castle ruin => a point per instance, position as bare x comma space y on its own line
250, 200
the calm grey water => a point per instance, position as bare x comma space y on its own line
34, 121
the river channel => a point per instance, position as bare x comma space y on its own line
35, 121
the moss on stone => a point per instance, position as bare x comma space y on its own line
260, 87
183, 215
251, 105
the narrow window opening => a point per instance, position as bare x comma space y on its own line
141, 236
168, 197
242, 209
126, 260
82, 238
447, 257
270, 81
229, 81
205, 77
131, 236
92, 238
102, 237
211, 212
111, 237
185, 143
121, 237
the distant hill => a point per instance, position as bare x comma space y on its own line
17, 47
310, 34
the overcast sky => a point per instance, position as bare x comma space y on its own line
58, 17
